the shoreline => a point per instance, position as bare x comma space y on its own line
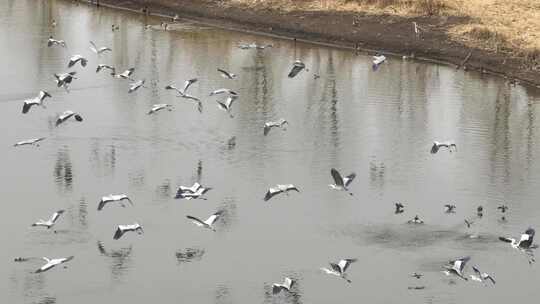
386, 34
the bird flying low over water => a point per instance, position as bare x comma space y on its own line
446, 144
456, 267
377, 60
481, 276
503, 208
66, 115
287, 284
339, 269
450, 208
274, 124
77, 58
223, 90
191, 189
50, 222
113, 198
158, 107
227, 104
53, 42
297, 67
53, 262
183, 93
416, 275
100, 50
125, 74
525, 241
102, 66
30, 142
208, 223
279, 189
136, 85
63, 79
415, 220
38, 100
226, 74
188, 194
125, 228
341, 183
246, 46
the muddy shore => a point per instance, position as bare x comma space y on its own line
383, 33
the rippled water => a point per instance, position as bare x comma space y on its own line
378, 124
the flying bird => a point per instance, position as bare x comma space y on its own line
100, 50
136, 85
223, 90
63, 79
525, 241
196, 186
226, 106
53, 42
341, 183
450, 208
38, 100
378, 60
503, 208
77, 58
192, 195
125, 228
53, 262
183, 93
399, 208
208, 223
416, 275
114, 198
66, 115
297, 67
468, 223
274, 124
31, 142
340, 268
287, 284
226, 74
280, 189
415, 220
481, 276
446, 144
105, 66
456, 267
245, 46
125, 74
159, 106
50, 222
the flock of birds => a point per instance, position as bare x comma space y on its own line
339, 269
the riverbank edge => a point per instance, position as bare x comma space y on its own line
335, 29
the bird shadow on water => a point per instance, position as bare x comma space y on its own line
189, 255
120, 259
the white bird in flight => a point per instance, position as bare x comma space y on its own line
66, 115
341, 183
223, 90
125, 74
188, 195
77, 58
53, 42
280, 189
377, 60
287, 284
208, 223
158, 107
136, 85
226, 74
274, 124
481, 276
30, 142
100, 50
102, 66
38, 100
53, 262
64, 79
227, 104
446, 144
125, 228
340, 268
50, 222
456, 267
113, 198
525, 241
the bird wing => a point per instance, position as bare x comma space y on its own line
276, 288
271, 193
45, 267
225, 73
337, 177
102, 204
295, 70
129, 200
26, 107
213, 218
489, 277
477, 271
172, 87
197, 221
349, 178
344, 264
118, 234
507, 239
188, 83
335, 267
434, 148
291, 187
459, 264
288, 283
64, 260
55, 216
93, 47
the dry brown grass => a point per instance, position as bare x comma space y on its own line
508, 26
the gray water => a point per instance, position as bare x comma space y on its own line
378, 124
